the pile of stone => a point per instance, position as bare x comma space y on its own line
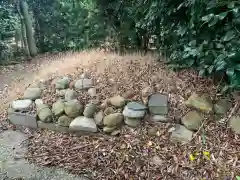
193, 120
134, 113
74, 116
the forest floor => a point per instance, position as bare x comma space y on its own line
134, 154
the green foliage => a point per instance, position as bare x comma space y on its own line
203, 34
8, 24
62, 25
192, 33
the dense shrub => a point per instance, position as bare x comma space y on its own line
204, 34
193, 33
62, 25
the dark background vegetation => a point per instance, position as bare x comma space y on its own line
203, 34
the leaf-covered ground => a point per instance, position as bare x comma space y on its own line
136, 153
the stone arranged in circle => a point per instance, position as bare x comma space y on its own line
117, 101
21, 104
70, 94
90, 110
44, 113
113, 120
62, 83
73, 108
202, 103
136, 106
134, 110
192, 120
222, 106
64, 121
84, 83
158, 104
98, 117
32, 93
82, 123
234, 123
181, 134
58, 107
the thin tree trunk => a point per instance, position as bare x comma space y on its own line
23, 32
28, 26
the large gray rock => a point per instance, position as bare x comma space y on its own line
44, 113
64, 121
181, 134
89, 110
32, 93
70, 94
117, 101
73, 108
222, 106
58, 107
192, 120
82, 123
202, 103
113, 120
158, 104
83, 84
21, 104
234, 123
132, 122
62, 83
134, 110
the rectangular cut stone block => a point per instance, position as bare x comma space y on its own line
158, 104
22, 118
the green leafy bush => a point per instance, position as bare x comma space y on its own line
197, 33
66, 25
203, 34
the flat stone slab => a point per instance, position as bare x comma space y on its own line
136, 106
158, 104
21, 104
82, 123
22, 118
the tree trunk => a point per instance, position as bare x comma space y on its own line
28, 26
